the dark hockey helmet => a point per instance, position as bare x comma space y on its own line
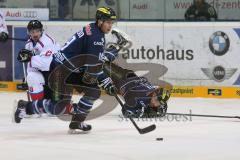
34, 24
105, 13
163, 94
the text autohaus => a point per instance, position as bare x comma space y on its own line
157, 53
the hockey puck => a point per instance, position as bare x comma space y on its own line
159, 139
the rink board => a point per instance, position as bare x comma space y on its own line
178, 91
204, 56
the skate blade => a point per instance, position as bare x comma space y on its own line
75, 131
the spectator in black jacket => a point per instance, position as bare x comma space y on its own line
201, 11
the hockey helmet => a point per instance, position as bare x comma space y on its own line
34, 24
105, 13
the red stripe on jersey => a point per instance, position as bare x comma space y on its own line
69, 109
41, 43
37, 96
50, 38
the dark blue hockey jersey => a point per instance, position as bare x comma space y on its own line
136, 93
137, 97
84, 51
89, 40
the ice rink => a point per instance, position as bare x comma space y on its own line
197, 138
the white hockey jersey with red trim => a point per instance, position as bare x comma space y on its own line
42, 50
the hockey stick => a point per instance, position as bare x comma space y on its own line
140, 130
25, 80
17, 39
202, 115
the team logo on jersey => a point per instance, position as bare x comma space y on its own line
219, 43
219, 73
99, 43
48, 53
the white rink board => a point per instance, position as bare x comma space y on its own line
188, 39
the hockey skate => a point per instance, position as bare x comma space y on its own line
75, 125
19, 111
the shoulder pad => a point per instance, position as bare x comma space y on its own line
46, 40
88, 30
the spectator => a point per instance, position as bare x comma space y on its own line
64, 10
201, 11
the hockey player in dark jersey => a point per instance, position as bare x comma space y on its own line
83, 53
141, 98
90, 45
201, 11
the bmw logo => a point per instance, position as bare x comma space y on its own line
219, 43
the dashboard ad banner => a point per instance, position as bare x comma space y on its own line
17, 14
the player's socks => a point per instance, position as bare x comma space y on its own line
80, 113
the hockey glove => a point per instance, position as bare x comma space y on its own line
122, 40
108, 86
134, 112
3, 37
110, 54
24, 55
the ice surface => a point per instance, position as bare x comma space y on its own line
46, 138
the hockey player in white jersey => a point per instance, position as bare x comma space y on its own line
37, 44
3, 28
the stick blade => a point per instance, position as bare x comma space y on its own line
147, 129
